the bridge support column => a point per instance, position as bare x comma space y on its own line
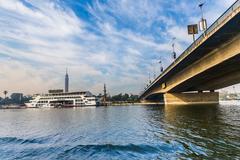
191, 98
151, 102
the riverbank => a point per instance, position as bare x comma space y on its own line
127, 104
12, 107
135, 104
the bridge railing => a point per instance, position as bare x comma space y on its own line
200, 39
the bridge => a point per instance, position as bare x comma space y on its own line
210, 63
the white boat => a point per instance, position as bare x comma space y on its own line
56, 98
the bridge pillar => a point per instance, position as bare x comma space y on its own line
191, 98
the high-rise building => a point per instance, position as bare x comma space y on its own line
17, 98
66, 81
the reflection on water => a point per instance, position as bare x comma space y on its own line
209, 131
136, 132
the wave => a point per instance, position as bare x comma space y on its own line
15, 140
111, 147
128, 151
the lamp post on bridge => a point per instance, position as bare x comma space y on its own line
203, 21
155, 63
161, 67
154, 70
193, 28
149, 78
174, 55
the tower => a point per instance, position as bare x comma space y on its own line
66, 81
104, 94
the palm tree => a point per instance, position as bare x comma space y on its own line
5, 93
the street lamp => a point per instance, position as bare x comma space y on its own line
154, 71
174, 55
149, 78
203, 22
161, 67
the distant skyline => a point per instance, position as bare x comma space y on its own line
116, 42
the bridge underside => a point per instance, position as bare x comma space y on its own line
154, 98
184, 98
191, 98
217, 77
219, 69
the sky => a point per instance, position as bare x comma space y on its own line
117, 42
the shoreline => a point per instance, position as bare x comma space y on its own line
230, 102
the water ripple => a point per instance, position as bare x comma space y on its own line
143, 132
130, 150
15, 140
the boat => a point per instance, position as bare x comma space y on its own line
60, 99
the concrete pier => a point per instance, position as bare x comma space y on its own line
192, 98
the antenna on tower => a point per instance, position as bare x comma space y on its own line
66, 70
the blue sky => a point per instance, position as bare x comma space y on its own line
117, 42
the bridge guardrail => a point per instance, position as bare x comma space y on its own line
201, 38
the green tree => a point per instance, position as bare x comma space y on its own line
125, 97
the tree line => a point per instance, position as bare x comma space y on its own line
122, 98
14, 99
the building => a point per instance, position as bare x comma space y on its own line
17, 98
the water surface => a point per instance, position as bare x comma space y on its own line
135, 132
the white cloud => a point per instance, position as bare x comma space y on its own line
18, 77
37, 42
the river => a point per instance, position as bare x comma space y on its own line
120, 132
